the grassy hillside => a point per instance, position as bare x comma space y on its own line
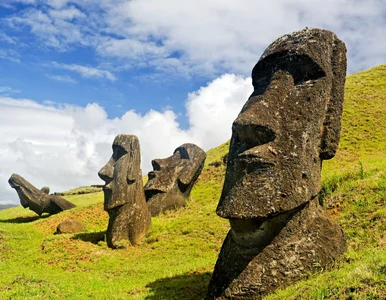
178, 256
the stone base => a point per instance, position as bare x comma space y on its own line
307, 241
127, 222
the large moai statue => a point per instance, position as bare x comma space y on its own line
124, 198
39, 201
172, 178
288, 126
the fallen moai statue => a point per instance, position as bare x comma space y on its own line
124, 198
288, 126
173, 178
39, 201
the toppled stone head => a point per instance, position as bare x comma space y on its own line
290, 123
172, 178
39, 201
124, 197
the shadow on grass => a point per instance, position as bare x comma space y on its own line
91, 237
190, 286
25, 219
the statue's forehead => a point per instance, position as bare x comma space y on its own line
187, 151
126, 142
308, 47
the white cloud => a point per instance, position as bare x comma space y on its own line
9, 54
84, 71
8, 39
69, 13
65, 146
206, 36
131, 48
62, 78
57, 28
6, 90
212, 109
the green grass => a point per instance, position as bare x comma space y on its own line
177, 258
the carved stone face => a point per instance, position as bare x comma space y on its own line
172, 178
288, 126
121, 171
285, 129
129, 217
24, 189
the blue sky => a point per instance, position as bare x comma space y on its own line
73, 74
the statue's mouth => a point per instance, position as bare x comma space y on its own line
259, 232
151, 193
108, 192
106, 189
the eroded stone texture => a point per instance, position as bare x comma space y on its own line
172, 178
124, 197
290, 123
70, 226
45, 189
37, 200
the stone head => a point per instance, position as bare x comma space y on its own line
290, 123
39, 201
121, 172
24, 189
175, 176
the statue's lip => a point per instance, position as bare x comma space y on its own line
106, 188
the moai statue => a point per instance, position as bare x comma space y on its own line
172, 180
124, 198
39, 201
288, 126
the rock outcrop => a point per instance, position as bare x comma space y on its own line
173, 177
39, 201
288, 126
124, 197
70, 226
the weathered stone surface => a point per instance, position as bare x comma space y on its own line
172, 178
37, 200
290, 123
124, 197
70, 226
45, 189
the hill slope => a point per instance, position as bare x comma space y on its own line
177, 258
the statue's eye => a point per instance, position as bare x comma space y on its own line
181, 153
302, 68
118, 152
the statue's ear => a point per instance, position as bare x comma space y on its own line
331, 124
134, 168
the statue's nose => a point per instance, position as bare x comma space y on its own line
251, 132
107, 172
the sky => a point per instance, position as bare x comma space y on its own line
74, 74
